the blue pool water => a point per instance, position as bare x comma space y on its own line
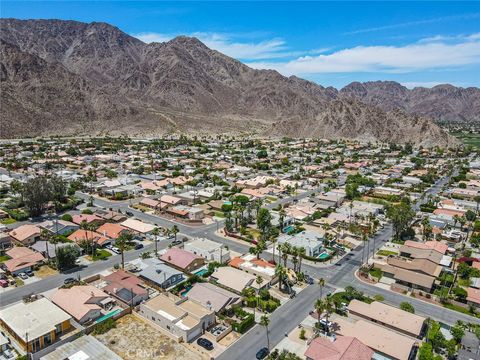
288, 228
109, 315
201, 272
323, 255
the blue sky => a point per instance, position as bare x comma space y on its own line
332, 43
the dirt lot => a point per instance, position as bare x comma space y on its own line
134, 338
45, 271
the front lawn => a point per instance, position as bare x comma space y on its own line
386, 253
8, 221
101, 254
4, 258
376, 273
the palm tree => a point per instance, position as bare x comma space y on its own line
282, 213
175, 231
301, 252
281, 272
45, 235
287, 249
259, 280
319, 308
122, 242
328, 308
321, 284
295, 258
273, 239
155, 233
265, 321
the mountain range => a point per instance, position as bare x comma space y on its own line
74, 78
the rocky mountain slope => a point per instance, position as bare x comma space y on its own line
441, 103
69, 77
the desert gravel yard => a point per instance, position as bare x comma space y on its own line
135, 338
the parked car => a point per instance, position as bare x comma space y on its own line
109, 246
23, 276
138, 246
3, 283
115, 250
69, 281
29, 273
129, 213
309, 280
177, 242
262, 353
206, 344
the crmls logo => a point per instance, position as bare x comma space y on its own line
144, 354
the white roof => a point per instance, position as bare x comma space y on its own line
36, 318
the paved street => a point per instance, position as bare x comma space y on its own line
289, 315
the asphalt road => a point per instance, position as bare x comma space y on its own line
289, 315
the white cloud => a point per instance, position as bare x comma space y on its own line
394, 59
414, 23
227, 44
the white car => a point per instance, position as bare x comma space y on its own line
115, 250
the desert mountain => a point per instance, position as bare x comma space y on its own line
441, 103
67, 77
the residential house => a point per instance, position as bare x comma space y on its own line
339, 348
138, 226
258, 267
61, 227
311, 241
26, 234
85, 347
126, 287
209, 250
182, 259
38, 323
85, 302
93, 220
396, 319
112, 231
80, 236
21, 260
159, 274
212, 297
234, 279
184, 319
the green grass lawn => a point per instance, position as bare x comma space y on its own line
468, 139
4, 258
101, 254
386, 253
376, 273
8, 221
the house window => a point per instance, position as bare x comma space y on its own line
36, 344
47, 339
153, 318
58, 329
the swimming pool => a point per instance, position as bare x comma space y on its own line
185, 291
109, 315
324, 255
288, 229
201, 272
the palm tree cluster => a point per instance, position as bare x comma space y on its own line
296, 253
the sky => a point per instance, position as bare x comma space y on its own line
332, 43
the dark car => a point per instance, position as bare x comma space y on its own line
69, 281
177, 242
206, 344
262, 353
129, 213
138, 246
29, 273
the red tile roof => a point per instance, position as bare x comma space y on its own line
343, 348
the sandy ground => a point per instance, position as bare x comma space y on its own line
134, 338
45, 271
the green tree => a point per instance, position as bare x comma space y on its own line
122, 244
264, 219
400, 214
174, 230
37, 192
406, 306
66, 257
265, 321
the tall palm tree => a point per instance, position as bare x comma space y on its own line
122, 242
328, 308
301, 252
287, 249
282, 213
280, 272
155, 233
295, 258
45, 235
265, 321
175, 231
259, 280
321, 284
319, 308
